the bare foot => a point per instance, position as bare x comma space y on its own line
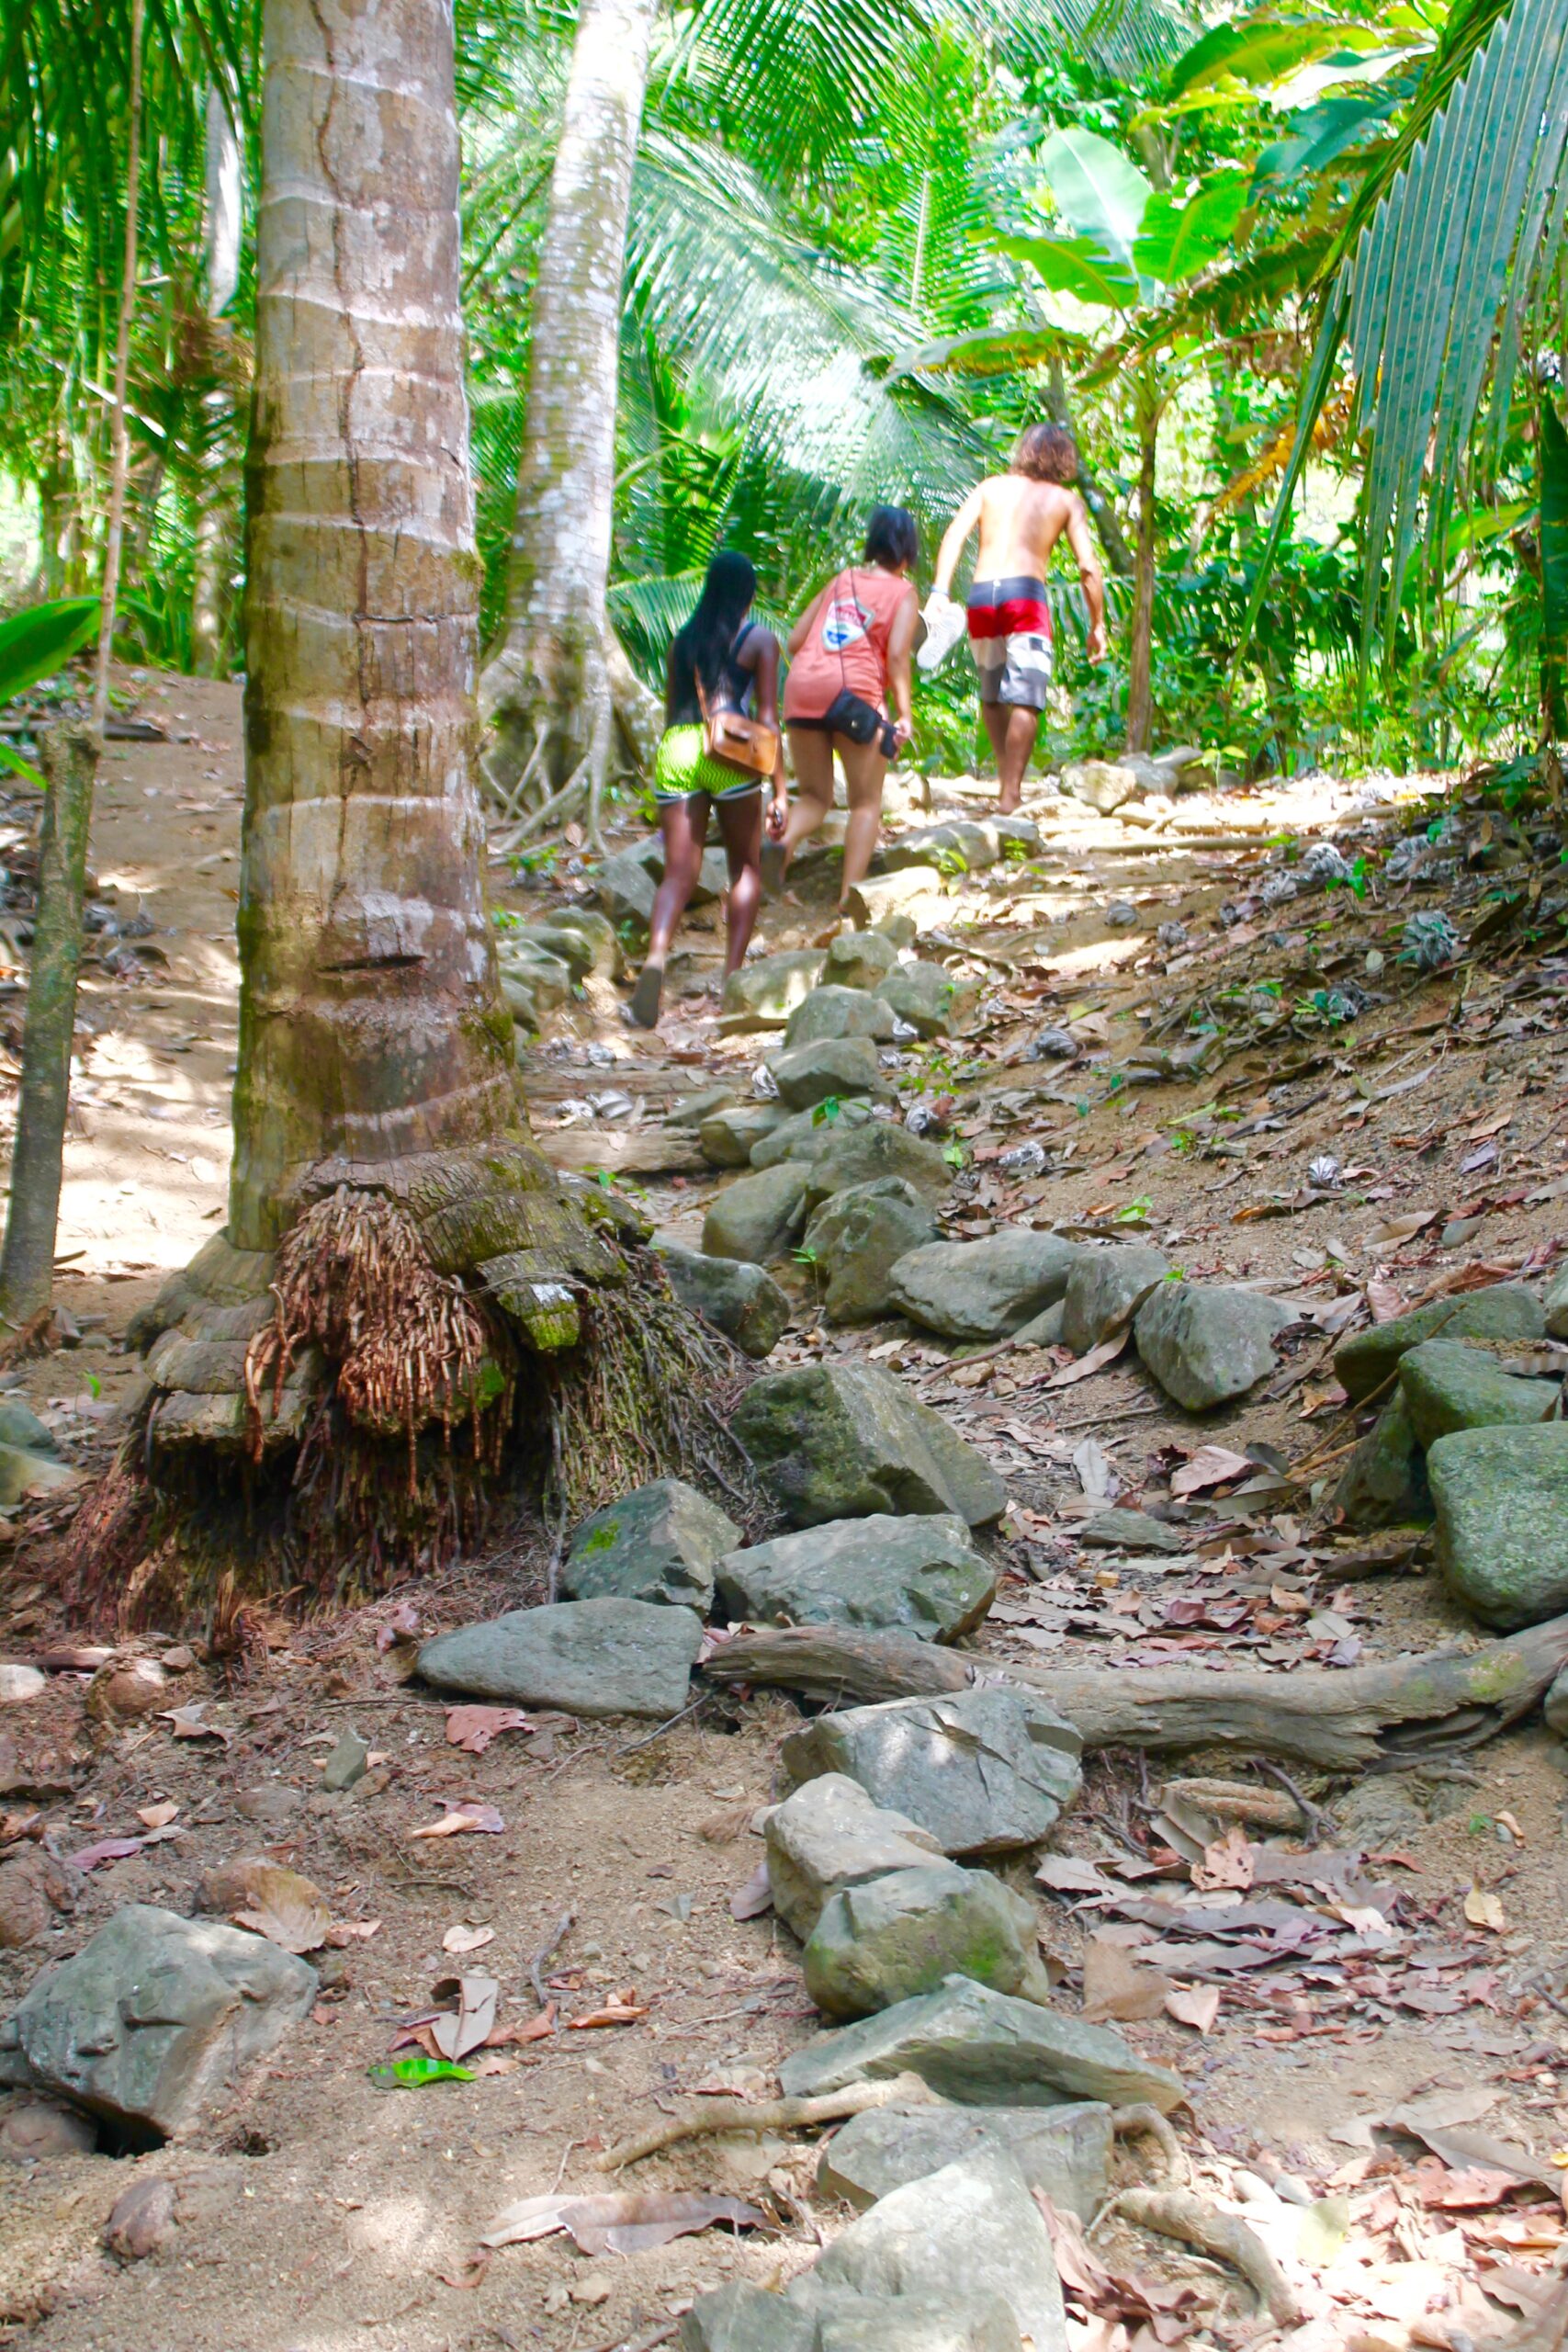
1007, 802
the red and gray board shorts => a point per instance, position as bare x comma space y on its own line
1010, 636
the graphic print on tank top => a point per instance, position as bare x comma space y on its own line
845, 623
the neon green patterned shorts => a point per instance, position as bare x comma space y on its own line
683, 768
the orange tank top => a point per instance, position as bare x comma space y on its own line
847, 643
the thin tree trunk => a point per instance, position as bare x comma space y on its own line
114, 537
371, 1020
1112, 539
1140, 697
215, 521
547, 690
27, 1265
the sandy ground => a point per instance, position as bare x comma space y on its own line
319, 2211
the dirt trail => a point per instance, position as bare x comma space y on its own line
321, 2212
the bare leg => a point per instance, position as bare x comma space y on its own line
741, 827
685, 825
865, 769
811, 755
1012, 730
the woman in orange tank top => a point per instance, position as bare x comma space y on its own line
849, 659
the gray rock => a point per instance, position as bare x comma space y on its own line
1449, 1386
842, 1441
983, 1290
828, 1835
1555, 1706
1501, 1505
965, 2234
859, 959
856, 1239
1105, 1288
587, 1657
906, 1933
659, 1544
39, 2132
1384, 1482
626, 889
21, 1426
18, 1682
1130, 1530
1556, 1306
742, 1301
738, 2318
1507, 1311
757, 1217
1205, 1343
920, 1575
860, 1155
156, 2017
836, 1011
852, 2323
957, 847
933, 1001
798, 1137
700, 1104
346, 1764
585, 937
831, 1067
24, 1474
1045, 1330
986, 1771
983, 2049
764, 992
727, 1137
1064, 2152
1101, 784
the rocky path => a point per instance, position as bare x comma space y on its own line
1147, 1231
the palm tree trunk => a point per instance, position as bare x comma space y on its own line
1140, 659
554, 683
215, 520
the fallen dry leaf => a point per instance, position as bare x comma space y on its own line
457, 2031
1484, 1910
188, 1723
344, 1933
540, 2029
460, 1817
749, 1901
473, 1729
1115, 1987
1212, 1466
1095, 1360
156, 1817
624, 2010
284, 1907
461, 1939
1228, 1862
1194, 2004
108, 1849
620, 2223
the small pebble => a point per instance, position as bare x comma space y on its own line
1293, 2191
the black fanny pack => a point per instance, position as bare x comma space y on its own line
850, 714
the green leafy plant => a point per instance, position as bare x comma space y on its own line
34, 644
414, 2073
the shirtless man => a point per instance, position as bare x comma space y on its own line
1021, 514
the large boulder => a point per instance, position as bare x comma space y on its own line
1105, 1289
1368, 1358
658, 1544
738, 1299
983, 1290
727, 1136
764, 992
738, 2318
983, 2049
23, 1473
843, 1440
969, 2234
836, 1011
1062, 2152
908, 1932
154, 2018
830, 1835
1448, 1387
1206, 1343
587, 1657
934, 1002
1502, 1506
759, 1217
822, 1072
855, 1240
859, 959
920, 1575
850, 1155
955, 847
985, 1770
1103, 785
797, 1136
1384, 1482
21, 1426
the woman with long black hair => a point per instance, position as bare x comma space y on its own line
722, 665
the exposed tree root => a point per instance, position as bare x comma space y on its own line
769, 2115
1178, 2213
